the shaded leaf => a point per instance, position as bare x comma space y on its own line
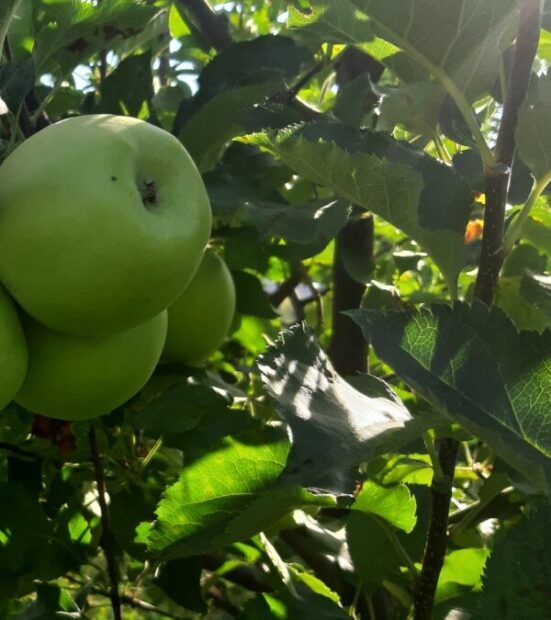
473, 364
517, 579
16, 80
128, 87
250, 296
532, 134
334, 425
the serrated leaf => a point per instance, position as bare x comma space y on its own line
473, 364
394, 504
462, 569
212, 491
517, 579
334, 425
532, 134
271, 506
427, 200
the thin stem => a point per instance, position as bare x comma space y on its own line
514, 231
44, 103
5, 26
106, 535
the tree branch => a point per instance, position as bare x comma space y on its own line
214, 27
106, 540
497, 179
437, 535
491, 260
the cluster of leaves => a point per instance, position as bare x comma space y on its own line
266, 485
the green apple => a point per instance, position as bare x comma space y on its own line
13, 350
200, 319
103, 223
77, 378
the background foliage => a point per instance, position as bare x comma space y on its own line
346, 146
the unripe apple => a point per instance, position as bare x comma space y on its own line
103, 223
77, 378
200, 319
13, 350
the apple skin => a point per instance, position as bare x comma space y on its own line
200, 319
78, 378
13, 351
83, 249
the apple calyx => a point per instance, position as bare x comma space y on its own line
148, 192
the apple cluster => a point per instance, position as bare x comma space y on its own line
104, 222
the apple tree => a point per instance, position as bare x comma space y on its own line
327, 395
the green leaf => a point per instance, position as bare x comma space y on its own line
427, 200
308, 227
52, 603
415, 106
180, 580
128, 87
371, 549
16, 80
460, 41
250, 296
179, 409
29, 547
394, 504
237, 79
212, 491
334, 425
474, 365
462, 569
536, 289
70, 32
334, 21
517, 579
219, 120
513, 301
532, 134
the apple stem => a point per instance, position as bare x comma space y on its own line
106, 540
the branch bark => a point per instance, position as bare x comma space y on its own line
106, 534
437, 535
497, 179
491, 260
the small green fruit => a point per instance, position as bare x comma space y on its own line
200, 319
77, 378
13, 350
103, 223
